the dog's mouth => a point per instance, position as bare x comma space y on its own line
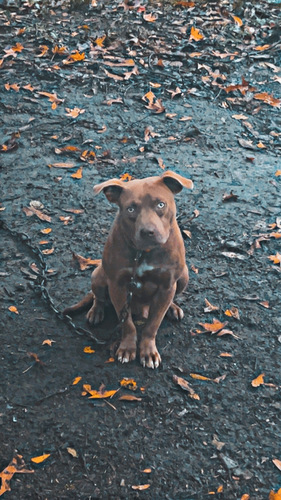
148, 242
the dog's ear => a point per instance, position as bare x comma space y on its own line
112, 189
175, 182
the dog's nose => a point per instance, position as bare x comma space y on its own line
147, 232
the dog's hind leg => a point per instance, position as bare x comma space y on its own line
99, 291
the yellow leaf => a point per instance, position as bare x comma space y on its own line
13, 309
40, 459
276, 259
78, 174
277, 173
76, 380
99, 41
258, 381
102, 395
88, 350
195, 34
199, 377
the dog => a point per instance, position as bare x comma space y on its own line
143, 264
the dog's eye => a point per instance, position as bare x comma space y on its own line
130, 210
161, 204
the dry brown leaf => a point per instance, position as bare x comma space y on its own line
84, 262
151, 18
233, 313
276, 259
34, 211
113, 75
61, 164
225, 331
268, 99
48, 251
209, 307
74, 112
17, 465
47, 230
185, 386
72, 452
258, 381
129, 397
141, 487
277, 463
78, 174
214, 327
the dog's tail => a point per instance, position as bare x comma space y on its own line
85, 303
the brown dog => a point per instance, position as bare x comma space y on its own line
143, 264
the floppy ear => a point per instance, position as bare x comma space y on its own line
112, 189
175, 182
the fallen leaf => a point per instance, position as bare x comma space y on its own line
151, 18
227, 332
59, 50
40, 459
110, 360
185, 386
214, 327
226, 355
129, 383
233, 255
113, 75
230, 197
268, 99
258, 381
129, 397
99, 41
196, 376
13, 86
233, 313
76, 380
61, 165
194, 269
209, 307
15, 466
237, 20
220, 488
277, 463
100, 394
13, 309
265, 304
147, 471
276, 259
245, 497
141, 487
88, 350
277, 173
44, 50
74, 112
75, 57
47, 230
195, 34
275, 496
72, 452
48, 251
260, 48
240, 117
187, 233
48, 342
78, 174
84, 262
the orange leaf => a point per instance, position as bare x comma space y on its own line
15, 466
77, 56
237, 20
40, 459
149, 96
126, 177
276, 259
262, 47
78, 174
13, 86
43, 242
47, 230
277, 173
110, 360
74, 112
48, 251
84, 263
129, 383
129, 397
196, 376
99, 41
102, 395
147, 471
141, 487
275, 235
13, 309
18, 47
185, 386
48, 342
258, 381
220, 489
59, 50
268, 99
88, 350
151, 18
76, 380
44, 49
232, 313
183, 3
214, 327
195, 34
245, 497
275, 496
113, 75
226, 355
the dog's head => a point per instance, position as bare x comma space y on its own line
147, 206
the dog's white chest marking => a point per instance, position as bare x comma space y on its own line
143, 268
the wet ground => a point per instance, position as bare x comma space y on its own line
76, 99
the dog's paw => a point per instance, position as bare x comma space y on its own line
175, 313
149, 355
96, 314
126, 351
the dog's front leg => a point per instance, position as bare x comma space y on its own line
149, 355
128, 346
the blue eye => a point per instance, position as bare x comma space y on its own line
161, 204
131, 210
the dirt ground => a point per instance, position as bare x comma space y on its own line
130, 88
